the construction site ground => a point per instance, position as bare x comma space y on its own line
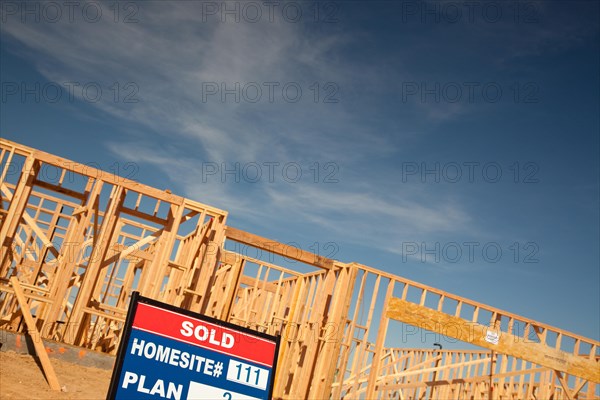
22, 378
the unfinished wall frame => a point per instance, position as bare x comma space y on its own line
80, 241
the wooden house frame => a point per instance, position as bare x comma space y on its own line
81, 240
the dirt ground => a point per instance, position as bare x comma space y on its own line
22, 378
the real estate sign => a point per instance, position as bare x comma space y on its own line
171, 353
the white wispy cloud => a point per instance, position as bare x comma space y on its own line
171, 56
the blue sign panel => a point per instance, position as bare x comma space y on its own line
169, 353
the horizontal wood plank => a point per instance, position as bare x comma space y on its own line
474, 333
278, 248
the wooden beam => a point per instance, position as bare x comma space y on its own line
564, 385
59, 189
248, 280
38, 344
275, 247
89, 171
507, 343
143, 215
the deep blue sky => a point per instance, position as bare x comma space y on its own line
389, 89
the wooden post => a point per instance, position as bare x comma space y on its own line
37, 339
492, 368
383, 326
